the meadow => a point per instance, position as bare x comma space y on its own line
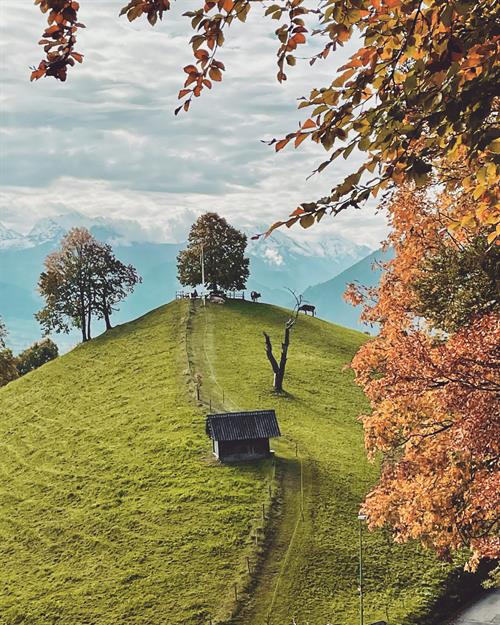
114, 511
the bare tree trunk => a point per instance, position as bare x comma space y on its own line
106, 314
278, 369
83, 317
89, 319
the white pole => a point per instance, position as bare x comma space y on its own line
202, 256
361, 519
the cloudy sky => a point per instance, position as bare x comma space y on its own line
106, 142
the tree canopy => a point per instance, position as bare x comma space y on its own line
434, 394
81, 279
420, 91
222, 248
36, 355
8, 371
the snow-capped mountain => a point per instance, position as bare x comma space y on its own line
44, 231
10, 239
277, 264
282, 261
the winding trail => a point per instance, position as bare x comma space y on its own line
286, 516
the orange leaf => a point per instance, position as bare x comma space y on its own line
300, 137
309, 123
281, 144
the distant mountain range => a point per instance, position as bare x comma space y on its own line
328, 296
276, 263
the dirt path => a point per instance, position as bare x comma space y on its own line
263, 595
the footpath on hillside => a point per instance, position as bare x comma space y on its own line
284, 523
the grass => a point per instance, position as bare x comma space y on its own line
318, 582
113, 511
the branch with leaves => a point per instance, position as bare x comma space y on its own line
420, 90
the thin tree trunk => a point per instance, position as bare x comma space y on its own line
278, 384
278, 370
106, 314
89, 320
83, 318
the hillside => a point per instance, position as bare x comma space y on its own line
114, 512
276, 262
328, 297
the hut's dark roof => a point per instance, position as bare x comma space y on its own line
238, 426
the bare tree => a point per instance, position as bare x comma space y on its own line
279, 367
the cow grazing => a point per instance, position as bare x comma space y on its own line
255, 296
308, 308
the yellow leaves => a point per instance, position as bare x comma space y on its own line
343, 78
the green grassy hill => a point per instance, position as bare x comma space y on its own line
112, 510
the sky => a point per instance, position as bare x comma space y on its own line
107, 144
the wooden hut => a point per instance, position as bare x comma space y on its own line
242, 435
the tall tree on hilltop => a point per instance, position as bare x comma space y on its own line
432, 379
65, 285
82, 278
223, 249
111, 280
420, 88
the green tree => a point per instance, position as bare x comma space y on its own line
223, 250
111, 280
458, 283
82, 278
8, 371
36, 355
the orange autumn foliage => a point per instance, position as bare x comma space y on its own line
434, 396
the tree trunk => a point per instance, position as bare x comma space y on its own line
83, 317
106, 314
89, 319
278, 369
278, 384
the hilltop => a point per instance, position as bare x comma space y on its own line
114, 511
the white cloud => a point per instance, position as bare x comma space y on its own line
273, 257
106, 141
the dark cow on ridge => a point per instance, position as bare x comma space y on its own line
308, 308
255, 296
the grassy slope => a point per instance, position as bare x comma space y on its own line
318, 581
111, 511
